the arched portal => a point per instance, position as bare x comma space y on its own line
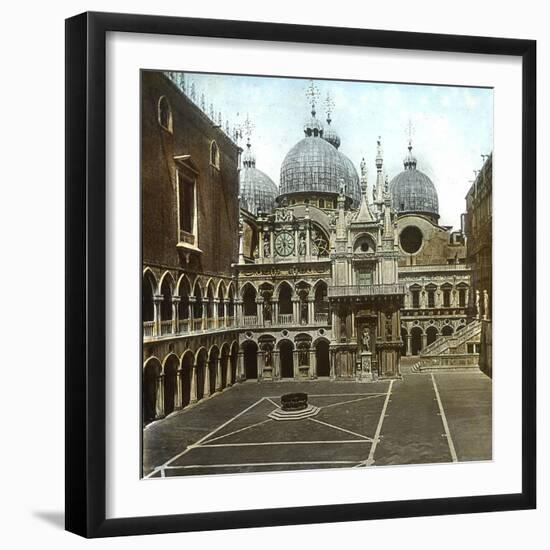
322, 358
151, 373
416, 340
186, 373
447, 330
250, 350
286, 358
431, 335
170, 373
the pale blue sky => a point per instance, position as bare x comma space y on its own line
453, 126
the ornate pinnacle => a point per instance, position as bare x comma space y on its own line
312, 94
329, 105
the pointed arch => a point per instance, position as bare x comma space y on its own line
249, 295
149, 286
186, 366
151, 401
166, 287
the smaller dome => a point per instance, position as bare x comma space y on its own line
313, 126
331, 136
257, 190
412, 191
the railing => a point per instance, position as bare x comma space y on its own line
197, 324
166, 327
250, 320
210, 323
148, 329
231, 321
286, 318
321, 318
183, 326
366, 290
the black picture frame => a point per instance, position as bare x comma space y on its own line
86, 278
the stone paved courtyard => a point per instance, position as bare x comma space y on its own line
423, 418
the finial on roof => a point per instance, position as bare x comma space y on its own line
379, 160
329, 105
312, 94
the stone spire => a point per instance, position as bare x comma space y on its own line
378, 191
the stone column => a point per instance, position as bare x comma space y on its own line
260, 310
239, 312
159, 401
261, 244
271, 244
228, 381
215, 303
408, 341
192, 301
175, 314
206, 392
276, 364
275, 310
332, 365
296, 310
226, 312
260, 361
296, 361
193, 390
312, 364
218, 386
311, 310
178, 396
308, 244
157, 300
240, 366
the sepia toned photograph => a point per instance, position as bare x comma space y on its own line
316, 274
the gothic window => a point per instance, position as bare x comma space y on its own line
186, 202
165, 114
321, 203
431, 297
446, 289
214, 155
415, 298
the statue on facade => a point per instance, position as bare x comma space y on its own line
366, 339
302, 244
303, 354
478, 311
268, 355
267, 245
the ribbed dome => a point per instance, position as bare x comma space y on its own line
412, 191
257, 190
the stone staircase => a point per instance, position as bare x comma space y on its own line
451, 352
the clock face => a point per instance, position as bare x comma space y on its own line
284, 244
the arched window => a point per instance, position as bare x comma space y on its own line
214, 155
165, 114
249, 301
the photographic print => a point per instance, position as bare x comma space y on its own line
316, 273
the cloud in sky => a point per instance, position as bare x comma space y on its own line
452, 126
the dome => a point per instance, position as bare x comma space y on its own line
412, 191
331, 135
314, 165
257, 190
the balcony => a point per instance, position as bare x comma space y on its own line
365, 290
